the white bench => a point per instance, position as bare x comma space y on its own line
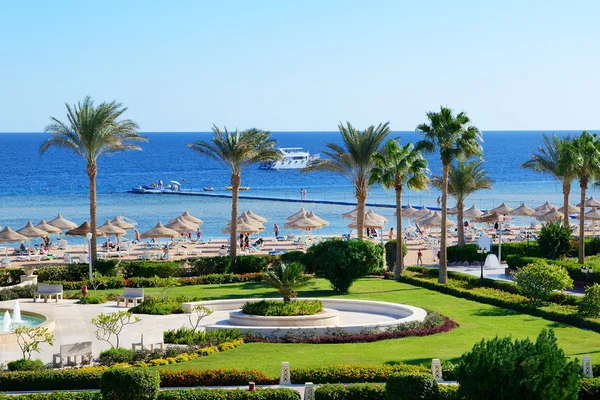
131, 295
71, 352
150, 340
47, 290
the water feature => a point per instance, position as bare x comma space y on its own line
16, 317
6, 323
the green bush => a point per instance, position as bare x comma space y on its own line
405, 386
56, 396
390, 253
18, 292
589, 389
361, 391
93, 299
343, 262
10, 276
249, 264
155, 305
107, 267
116, 355
130, 384
281, 309
149, 269
537, 281
554, 240
25, 365
352, 373
71, 272
224, 394
571, 265
211, 265
184, 335
502, 369
292, 256
589, 305
449, 392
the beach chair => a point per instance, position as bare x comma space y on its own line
290, 236
5, 263
83, 259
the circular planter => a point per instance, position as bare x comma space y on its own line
327, 317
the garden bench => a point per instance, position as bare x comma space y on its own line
47, 290
71, 352
150, 340
131, 295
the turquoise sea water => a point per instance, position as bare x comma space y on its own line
35, 187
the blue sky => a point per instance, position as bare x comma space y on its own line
302, 65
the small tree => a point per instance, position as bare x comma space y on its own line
112, 324
589, 305
555, 240
164, 284
199, 312
287, 279
97, 280
29, 339
505, 370
537, 281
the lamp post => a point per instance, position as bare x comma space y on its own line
500, 220
481, 251
89, 238
527, 236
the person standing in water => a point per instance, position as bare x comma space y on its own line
276, 230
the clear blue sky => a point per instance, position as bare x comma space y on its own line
302, 65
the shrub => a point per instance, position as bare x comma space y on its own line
18, 292
211, 265
130, 384
10, 276
537, 281
502, 369
292, 256
287, 279
405, 386
589, 305
163, 305
149, 269
554, 240
282, 309
589, 389
67, 379
189, 336
107, 267
25, 365
92, 299
352, 373
236, 394
56, 396
361, 391
116, 356
214, 377
343, 262
390, 253
249, 264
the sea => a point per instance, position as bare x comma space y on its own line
35, 187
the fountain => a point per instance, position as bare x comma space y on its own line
6, 325
16, 317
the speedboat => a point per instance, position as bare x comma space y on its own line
293, 158
208, 189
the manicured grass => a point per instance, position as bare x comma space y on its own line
476, 321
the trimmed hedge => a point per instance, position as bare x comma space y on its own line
55, 396
390, 253
10, 276
249, 265
589, 389
141, 384
571, 265
210, 265
183, 394
352, 373
361, 391
149, 269
405, 386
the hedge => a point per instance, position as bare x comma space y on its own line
183, 394
210, 265
351, 373
390, 253
141, 384
571, 265
589, 389
361, 391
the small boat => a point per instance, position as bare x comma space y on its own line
208, 189
241, 187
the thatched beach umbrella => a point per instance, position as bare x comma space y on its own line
541, 211
376, 217
303, 223
522, 211
407, 212
590, 202
297, 215
489, 217
570, 209
501, 209
472, 212
242, 226
181, 225
435, 220
188, 217
46, 227
250, 219
350, 214
453, 210
61, 223
552, 215
314, 217
546, 206
31, 231
158, 232
258, 218
423, 217
109, 229
121, 223
7, 235
83, 230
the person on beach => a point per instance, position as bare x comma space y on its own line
198, 234
391, 234
247, 242
439, 201
276, 230
137, 235
241, 240
420, 257
165, 255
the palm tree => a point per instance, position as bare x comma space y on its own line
583, 154
453, 137
354, 160
237, 150
464, 179
395, 167
90, 132
548, 160
287, 279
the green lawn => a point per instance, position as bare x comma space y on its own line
476, 321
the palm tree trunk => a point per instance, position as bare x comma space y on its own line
92, 171
459, 221
443, 273
361, 199
399, 270
583, 184
235, 189
566, 188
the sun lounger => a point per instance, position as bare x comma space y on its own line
5, 263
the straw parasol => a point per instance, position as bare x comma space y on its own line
83, 230
30, 231
311, 215
522, 211
501, 209
46, 227
350, 214
260, 219
181, 225
546, 206
473, 212
303, 223
452, 211
420, 212
592, 215
435, 220
590, 202
369, 223
109, 229
407, 212
376, 217
120, 223
488, 217
542, 210
551, 215
7, 235
242, 226
248, 218
297, 215
188, 217
423, 217
159, 231
570, 209
61, 223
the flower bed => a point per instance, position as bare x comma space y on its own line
278, 308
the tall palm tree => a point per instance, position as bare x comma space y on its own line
464, 179
583, 154
354, 160
90, 132
237, 150
453, 137
548, 160
397, 166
